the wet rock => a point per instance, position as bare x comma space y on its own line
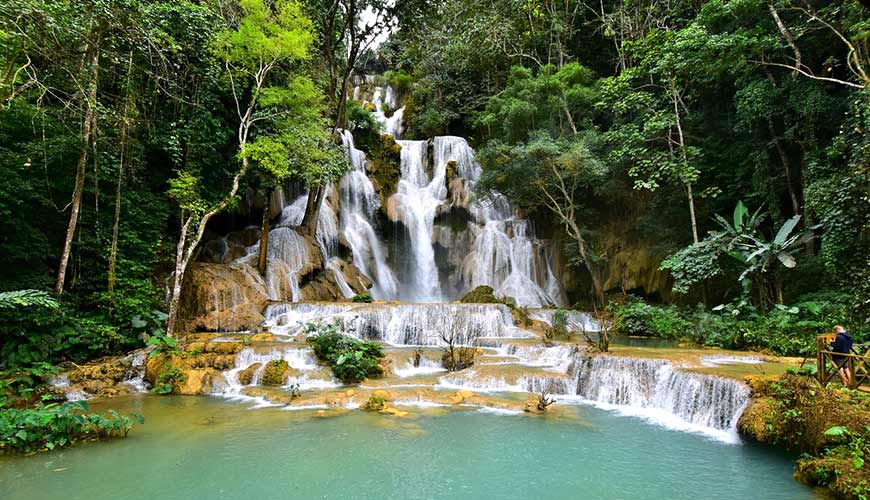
374, 403
275, 373
391, 410
481, 295
246, 376
459, 397
220, 297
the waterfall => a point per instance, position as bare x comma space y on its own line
359, 202
511, 360
417, 198
656, 390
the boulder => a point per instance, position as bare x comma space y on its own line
222, 297
246, 376
275, 373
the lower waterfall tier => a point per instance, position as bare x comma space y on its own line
511, 366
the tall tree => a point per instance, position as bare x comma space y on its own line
268, 38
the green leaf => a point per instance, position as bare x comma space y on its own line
858, 462
786, 230
740, 212
138, 322
837, 431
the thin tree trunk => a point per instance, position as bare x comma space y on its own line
178, 277
88, 125
789, 38
113, 251
682, 145
264, 241
587, 262
786, 167
692, 213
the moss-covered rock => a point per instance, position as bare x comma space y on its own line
480, 295
794, 412
836, 471
375, 403
246, 376
385, 164
275, 372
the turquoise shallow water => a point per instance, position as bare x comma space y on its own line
195, 448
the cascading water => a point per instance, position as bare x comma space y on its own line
417, 199
359, 203
655, 389
453, 243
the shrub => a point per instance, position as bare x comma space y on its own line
375, 403
364, 297
559, 329
48, 426
168, 379
641, 319
399, 80
785, 330
162, 345
351, 360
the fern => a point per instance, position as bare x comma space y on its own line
26, 298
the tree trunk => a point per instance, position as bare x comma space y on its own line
88, 125
692, 212
264, 241
113, 251
312, 209
786, 167
587, 262
178, 277
122, 148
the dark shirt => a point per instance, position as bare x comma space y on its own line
842, 344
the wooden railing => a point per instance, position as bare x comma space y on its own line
858, 364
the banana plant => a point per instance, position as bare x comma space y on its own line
760, 256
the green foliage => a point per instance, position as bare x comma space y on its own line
642, 319
553, 100
364, 297
693, 265
351, 360
375, 403
559, 329
855, 444
26, 298
23, 386
785, 330
268, 33
758, 256
50, 426
162, 345
399, 80
170, 377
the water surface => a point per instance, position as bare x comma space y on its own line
204, 448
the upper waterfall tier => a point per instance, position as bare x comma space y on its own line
405, 222
449, 240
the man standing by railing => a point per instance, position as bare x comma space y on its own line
842, 346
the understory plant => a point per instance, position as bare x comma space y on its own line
559, 329
351, 360
168, 379
53, 425
786, 330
